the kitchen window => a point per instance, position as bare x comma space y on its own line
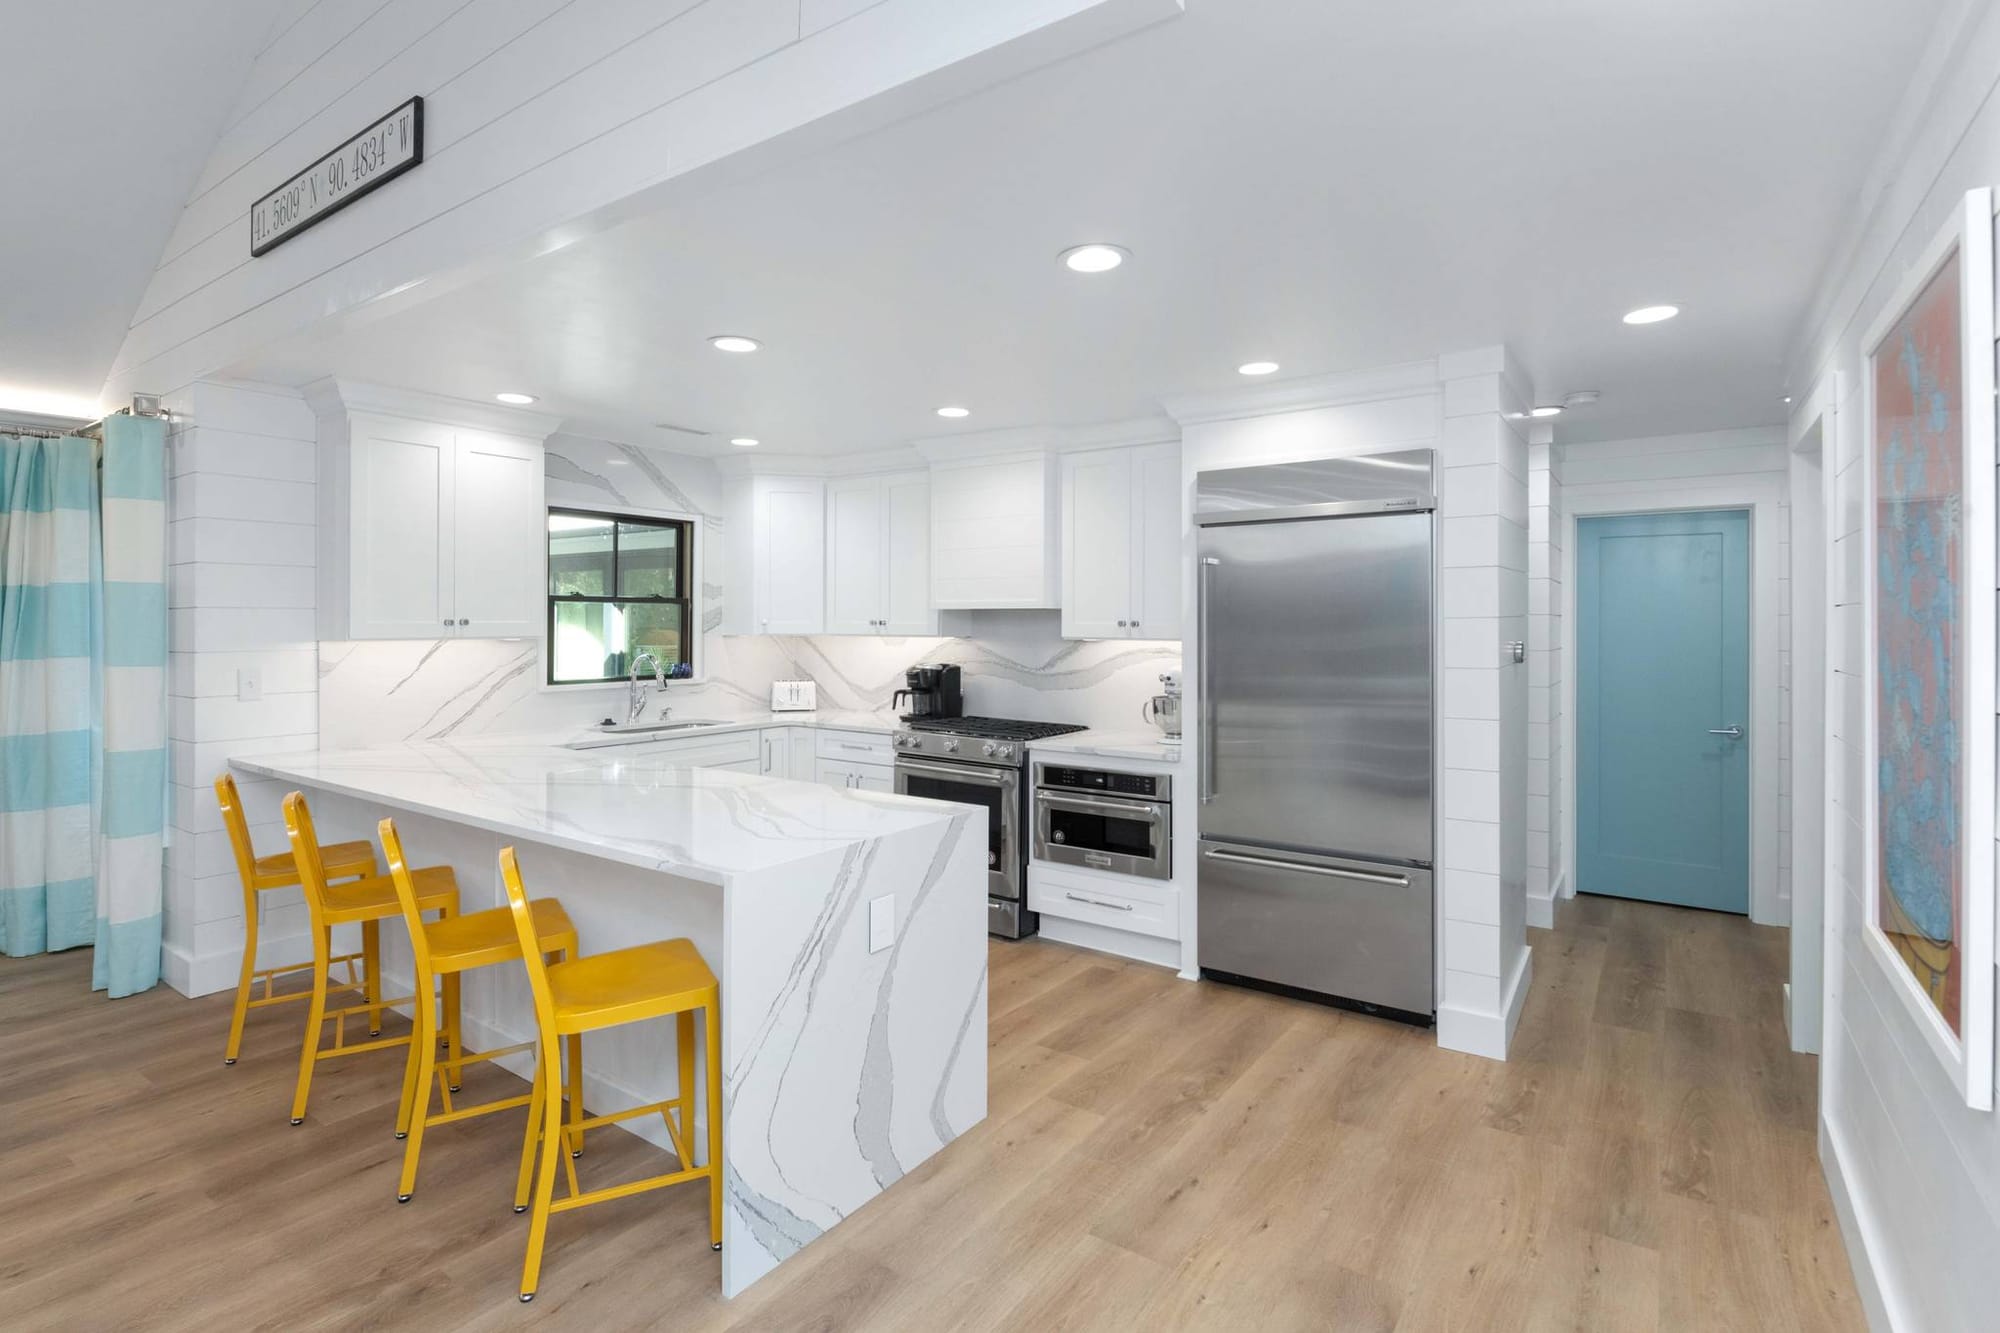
619, 585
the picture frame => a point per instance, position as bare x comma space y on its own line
1928, 665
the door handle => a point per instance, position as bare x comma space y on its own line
1734, 733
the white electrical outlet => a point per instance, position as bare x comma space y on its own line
881, 922
249, 685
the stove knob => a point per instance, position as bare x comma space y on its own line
987, 749
1006, 752
951, 747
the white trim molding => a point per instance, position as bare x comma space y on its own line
1762, 496
1474, 1032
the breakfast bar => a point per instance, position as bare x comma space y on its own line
847, 929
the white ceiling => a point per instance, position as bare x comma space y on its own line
1332, 186
111, 107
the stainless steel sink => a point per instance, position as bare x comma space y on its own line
639, 732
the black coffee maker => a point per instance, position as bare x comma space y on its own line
933, 691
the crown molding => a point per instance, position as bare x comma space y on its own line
334, 397
752, 463
1408, 380
967, 446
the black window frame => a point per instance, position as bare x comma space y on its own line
683, 579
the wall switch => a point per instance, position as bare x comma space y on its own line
881, 922
249, 685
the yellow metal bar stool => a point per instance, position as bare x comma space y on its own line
260, 875
602, 991
367, 902
446, 949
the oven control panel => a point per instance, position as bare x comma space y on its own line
1149, 785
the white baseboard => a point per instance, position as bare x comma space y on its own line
1107, 939
1478, 1033
196, 975
1542, 910
1864, 1241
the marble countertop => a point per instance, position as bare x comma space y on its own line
628, 803
1147, 745
828, 719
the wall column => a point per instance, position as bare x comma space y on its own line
1547, 865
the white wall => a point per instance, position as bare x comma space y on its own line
544, 120
1547, 855
1465, 406
1915, 1174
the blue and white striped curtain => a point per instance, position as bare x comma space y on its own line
83, 651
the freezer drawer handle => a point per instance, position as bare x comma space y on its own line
1206, 784
1097, 902
1365, 876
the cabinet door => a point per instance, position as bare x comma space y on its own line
791, 548
855, 517
993, 535
775, 755
834, 773
400, 552
498, 536
874, 777
1097, 545
1156, 543
906, 547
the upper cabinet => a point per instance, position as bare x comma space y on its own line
428, 528
994, 533
1121, 542
777, 556
878, 536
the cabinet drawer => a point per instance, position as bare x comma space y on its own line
1118, 901
714, 751
855, 747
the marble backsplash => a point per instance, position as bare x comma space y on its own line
1016, 663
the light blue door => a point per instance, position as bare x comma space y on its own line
1663, 666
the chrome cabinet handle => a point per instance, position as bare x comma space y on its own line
463, 621
1303, 868
1207, 783
1121, 624
1734, 733
1098, 902
850, 745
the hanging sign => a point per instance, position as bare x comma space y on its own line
372, 158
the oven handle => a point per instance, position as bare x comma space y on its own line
1149, 814
970, 773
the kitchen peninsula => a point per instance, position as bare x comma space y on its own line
854, 1030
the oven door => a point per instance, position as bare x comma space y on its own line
996, 791
1115, 833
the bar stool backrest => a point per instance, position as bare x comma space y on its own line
531, 948
406, 898
305, 854
239, 831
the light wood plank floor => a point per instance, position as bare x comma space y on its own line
1159, 1155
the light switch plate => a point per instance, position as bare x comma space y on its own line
249, 685
881, 922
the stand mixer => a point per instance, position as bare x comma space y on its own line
1164, 710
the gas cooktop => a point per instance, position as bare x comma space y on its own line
991, 728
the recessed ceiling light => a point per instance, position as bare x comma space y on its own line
1096, 257
1545, 410
733, 342
515, 399
1651, 314
1257, 368
954, 412
1788, 398
744, 442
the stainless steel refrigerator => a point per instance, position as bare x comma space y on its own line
1315, 729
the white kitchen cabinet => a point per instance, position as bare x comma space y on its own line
878, 556
787, 752
994, 533
428, 527
777, 556
856, 777
1121, 541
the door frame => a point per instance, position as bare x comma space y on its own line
1811, 438
1762, 497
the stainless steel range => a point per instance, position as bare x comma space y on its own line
979, 761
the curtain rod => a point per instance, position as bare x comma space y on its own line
143, 405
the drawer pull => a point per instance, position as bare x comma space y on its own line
1098, 902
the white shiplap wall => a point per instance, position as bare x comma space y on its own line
539, 114
240, 595
1915, 1174
1547, 866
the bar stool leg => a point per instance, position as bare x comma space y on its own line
453, 1033
684, 1104
243, 981
545, 1179
315, 1023
575, 1044
371, 964
423, 1048
714, 1021
534, 1134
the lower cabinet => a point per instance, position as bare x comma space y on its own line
860, 777
786, 752
1122, 902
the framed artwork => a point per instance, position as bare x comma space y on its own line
1928, 522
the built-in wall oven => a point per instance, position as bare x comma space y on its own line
1104, 820
979, 761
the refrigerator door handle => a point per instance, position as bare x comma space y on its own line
1306, 868
1207, 780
